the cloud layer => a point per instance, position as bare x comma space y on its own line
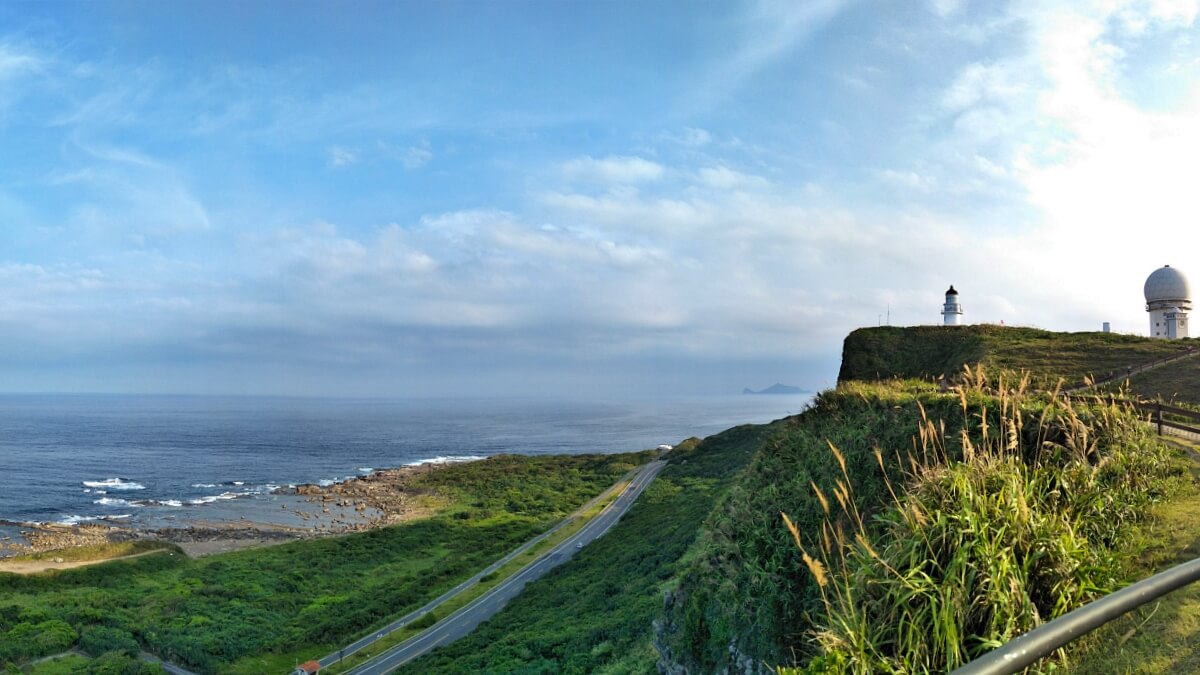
462, 222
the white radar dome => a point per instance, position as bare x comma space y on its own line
1167, 283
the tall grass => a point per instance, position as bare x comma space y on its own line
973, 552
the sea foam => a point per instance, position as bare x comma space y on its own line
447, 459
212, 498
114, 501
114, 484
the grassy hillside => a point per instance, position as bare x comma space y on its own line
893, 526
1180, 383
958, 535
594, 614
744, 590
929, 351
1163, 637
261, 610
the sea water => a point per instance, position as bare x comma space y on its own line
174, 460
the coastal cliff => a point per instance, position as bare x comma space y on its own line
891, 439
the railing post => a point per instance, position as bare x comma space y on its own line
1158, 417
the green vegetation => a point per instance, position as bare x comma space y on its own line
595, 614
896, 525
112, 663
546, 487
99, 551
927, 352
485, 584
1178, 384
942, 525
972, 553
261, 610
1163, 637
743, 587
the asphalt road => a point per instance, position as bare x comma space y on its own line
166, 665
484, 607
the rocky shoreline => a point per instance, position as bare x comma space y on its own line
381, 498
387, 494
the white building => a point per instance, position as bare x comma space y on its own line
952, 311
1168, 300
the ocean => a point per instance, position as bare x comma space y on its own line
158, 461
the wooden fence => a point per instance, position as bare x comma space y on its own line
1161, 414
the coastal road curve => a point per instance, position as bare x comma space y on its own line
403, 621
463, 621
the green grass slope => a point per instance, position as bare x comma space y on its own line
1179, 383
261, 610
984, 514
744, 595
595, 613
1162, 637
929, 351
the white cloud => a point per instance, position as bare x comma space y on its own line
945, 8
416, 157
1106, 179
909, 180
615, 169
766, 32
15, 61
689, 137
724, 178
126, 192
340, 156
992, 83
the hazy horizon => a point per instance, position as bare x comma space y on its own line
399, 199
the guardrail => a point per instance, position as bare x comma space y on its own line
1044, 640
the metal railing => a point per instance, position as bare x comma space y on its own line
1046, 639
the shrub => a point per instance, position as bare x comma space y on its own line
97, 640
427, 619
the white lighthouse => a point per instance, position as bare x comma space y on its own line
1168, 300
951, 311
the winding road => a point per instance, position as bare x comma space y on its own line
463, 621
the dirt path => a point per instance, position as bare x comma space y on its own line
36, 566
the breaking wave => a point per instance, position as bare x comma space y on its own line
115, 501
114, 484
212, 498
447, 459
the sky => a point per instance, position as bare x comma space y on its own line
572, 198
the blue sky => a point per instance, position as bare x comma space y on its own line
604, 198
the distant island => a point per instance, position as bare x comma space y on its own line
777, 389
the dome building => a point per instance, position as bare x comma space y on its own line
1168, 300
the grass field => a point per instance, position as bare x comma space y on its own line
262, 610
596, 613
484, 585
1164, 636
1178, 384
930, 351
